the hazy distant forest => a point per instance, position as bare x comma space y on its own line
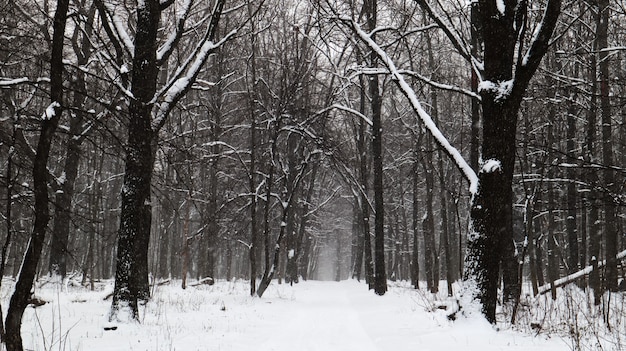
150, 140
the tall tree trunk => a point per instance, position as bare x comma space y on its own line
365, 206
63, 198
415, 267
475, 30
491, 245
294, 262
445, 236
21, 294
380, 275
8, 216
134, 234
592, 178
431, 254
272, 266
571, 222
289, 255
610, 218
553, 261
358, 242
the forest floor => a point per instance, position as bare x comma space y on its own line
312, 315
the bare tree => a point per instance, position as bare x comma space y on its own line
49, 123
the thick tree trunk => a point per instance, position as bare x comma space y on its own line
131, 279
491, 245
21, 294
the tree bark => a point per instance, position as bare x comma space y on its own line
490, 245
380, 275
415, 267
64, 197
21, 294
592, 178
134, 232
610, 218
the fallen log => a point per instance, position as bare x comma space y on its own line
575, 276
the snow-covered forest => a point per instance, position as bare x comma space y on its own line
463, 159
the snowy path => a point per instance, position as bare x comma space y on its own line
310, 316
325, 320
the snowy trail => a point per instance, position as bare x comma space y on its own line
310, 316
325, 320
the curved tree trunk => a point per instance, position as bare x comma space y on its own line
21, 294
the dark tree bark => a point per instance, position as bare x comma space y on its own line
415, 267
131, 276
490, 246
290, 240
134, 232
64, 197
445, 236
294, 262
271, 268
475, 39
592, 177
365, 206
610, 218
572, 198
380, 275
358, 242
254, 239
431, 253
21, 294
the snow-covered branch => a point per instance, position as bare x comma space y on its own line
119, 29
441, 85
450, 150
538, 45
188, 72
168, 47
350, 110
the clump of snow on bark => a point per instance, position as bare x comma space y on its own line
501, 90
491, 166
50, 112
501, 6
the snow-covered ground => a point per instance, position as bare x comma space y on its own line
311, 315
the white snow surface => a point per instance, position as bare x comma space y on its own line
311, 315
